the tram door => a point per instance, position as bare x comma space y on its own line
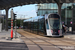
48, 31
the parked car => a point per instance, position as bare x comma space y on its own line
21, 26
16, 27
9, 27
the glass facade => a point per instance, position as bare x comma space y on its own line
66, 12
47, 8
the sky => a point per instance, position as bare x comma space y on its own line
25, 11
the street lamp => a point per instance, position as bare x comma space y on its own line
72, 18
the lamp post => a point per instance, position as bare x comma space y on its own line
66, 16
72, 18
3, 23
15, 28
20, 20
14, 16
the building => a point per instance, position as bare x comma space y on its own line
67, 12
47, 8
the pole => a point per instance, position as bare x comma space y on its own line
0, 20
15, 29
3, 22
12, 24
20, 21
66, 17
6, 21
72, 18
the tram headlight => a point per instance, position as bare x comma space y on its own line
58, 31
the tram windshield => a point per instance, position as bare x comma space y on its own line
54, 23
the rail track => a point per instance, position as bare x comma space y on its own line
39, 41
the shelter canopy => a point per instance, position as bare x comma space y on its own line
12, 3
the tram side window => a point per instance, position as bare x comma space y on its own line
47, 26
41, 24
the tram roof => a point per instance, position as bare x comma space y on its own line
34, 18
13, 3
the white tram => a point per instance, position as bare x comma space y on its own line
47, 25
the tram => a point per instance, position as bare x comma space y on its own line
47, 25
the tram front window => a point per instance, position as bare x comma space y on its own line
54, 23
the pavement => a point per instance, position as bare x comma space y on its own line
69, 35
35, 42
15, 44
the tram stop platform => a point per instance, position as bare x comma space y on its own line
7, 44
37, 42
70, 35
